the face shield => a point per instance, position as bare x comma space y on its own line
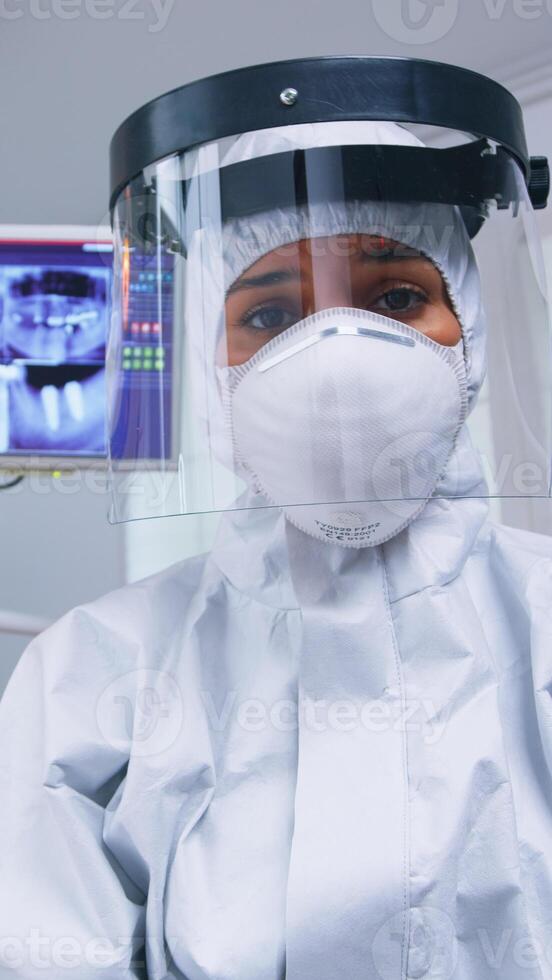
335, 318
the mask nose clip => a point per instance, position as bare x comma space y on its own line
342, 330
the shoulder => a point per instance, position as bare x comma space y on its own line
518, 548
149, 600
527, 559
83, 683
522, 561
128, 627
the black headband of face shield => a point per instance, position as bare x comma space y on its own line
471, 176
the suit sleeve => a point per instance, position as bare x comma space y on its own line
68, 907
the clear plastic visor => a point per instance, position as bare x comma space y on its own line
340, 327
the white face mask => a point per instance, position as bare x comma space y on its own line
347, 421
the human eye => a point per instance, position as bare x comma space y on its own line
401, 298
269, 317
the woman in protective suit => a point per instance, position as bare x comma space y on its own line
323, 749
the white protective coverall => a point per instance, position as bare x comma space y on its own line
335, 764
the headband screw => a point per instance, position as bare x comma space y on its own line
289, 96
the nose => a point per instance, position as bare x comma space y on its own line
332, 297
330, 284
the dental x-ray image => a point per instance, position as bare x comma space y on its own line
54, 312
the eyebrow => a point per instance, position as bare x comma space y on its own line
267, 279
278, 276
393, 257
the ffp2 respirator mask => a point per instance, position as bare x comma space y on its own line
347, 421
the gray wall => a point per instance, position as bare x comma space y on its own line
65, 84
57, 551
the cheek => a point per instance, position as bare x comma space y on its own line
442, 325
239, 344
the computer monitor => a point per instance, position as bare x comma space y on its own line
55, 284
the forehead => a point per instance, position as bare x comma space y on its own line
342, 246
354, 248
365, 255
